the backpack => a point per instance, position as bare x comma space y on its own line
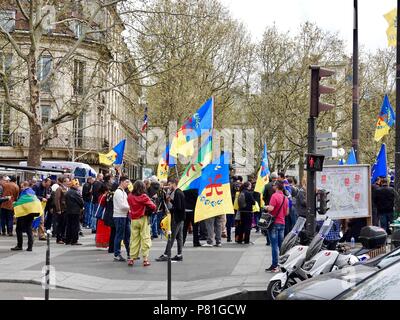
242, 201
109, 209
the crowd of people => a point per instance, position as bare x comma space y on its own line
119, 210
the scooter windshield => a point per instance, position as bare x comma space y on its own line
291, 238
299, 225
316, 243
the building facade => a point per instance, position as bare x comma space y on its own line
94, 80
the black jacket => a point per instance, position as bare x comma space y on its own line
87, 192
268, 192
178, 206
40, 191
384, 200
249, 201
301, 202
73, 201
95, 190
190, 199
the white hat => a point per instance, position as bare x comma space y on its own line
7, 178
153, 179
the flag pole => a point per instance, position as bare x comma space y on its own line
397, 151
356, 114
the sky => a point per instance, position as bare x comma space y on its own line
332, 15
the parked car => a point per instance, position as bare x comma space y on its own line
332, 284
382, 285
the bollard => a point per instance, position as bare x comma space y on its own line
47, 277
169, 266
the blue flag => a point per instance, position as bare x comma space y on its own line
352, 157
379, 169
119, 149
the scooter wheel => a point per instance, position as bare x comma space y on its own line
274, 289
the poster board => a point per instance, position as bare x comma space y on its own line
350, 191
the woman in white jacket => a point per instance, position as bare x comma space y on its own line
121, 220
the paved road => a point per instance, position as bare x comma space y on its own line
87, 272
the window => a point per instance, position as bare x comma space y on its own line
79, 71
46, 114
5, 66
78, 130
7, 20
4, 125
77, 28
44, 68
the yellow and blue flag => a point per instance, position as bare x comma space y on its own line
115, 156
379, 169
214, 191
263, 173
191, 176
391, 32
163, 165
183, 142
386, 119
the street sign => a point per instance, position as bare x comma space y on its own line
326, 136
326, 144
328, 153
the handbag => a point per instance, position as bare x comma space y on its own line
267, 219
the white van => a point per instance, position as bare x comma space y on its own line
78, 170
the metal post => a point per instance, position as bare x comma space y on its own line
397, 152
169, 266
356, 90
311, 200
47, 276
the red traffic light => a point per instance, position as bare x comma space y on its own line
315, 162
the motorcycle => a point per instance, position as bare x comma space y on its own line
291, 261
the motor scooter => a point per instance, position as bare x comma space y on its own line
293, 259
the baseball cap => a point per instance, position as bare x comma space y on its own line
153, 179
7, 178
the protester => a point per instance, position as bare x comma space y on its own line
301, 198
87, 194
176, 205
154, 194
27, 207
95, 197
43, 193
190, 205
51, 218
60, 205
11, 189
374, 187
279, 208
384, 198
246, 212
103, 231
293, 208
268, 192
140, 229
121, 220
230, 218
74, 206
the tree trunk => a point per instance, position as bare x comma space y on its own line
35, 126
35, 146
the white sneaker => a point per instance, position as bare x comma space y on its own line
206, 245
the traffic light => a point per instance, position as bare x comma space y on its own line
315, 162
317, 74
322, 199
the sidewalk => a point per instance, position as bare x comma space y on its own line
205, 273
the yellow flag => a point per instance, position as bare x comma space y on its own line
391, 18
180, 145
107, 158
382, 129
162, 170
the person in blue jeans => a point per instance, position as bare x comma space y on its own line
121, 220
87, 198
279, 208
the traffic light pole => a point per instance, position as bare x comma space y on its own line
311, 199
356, 90
397, 151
